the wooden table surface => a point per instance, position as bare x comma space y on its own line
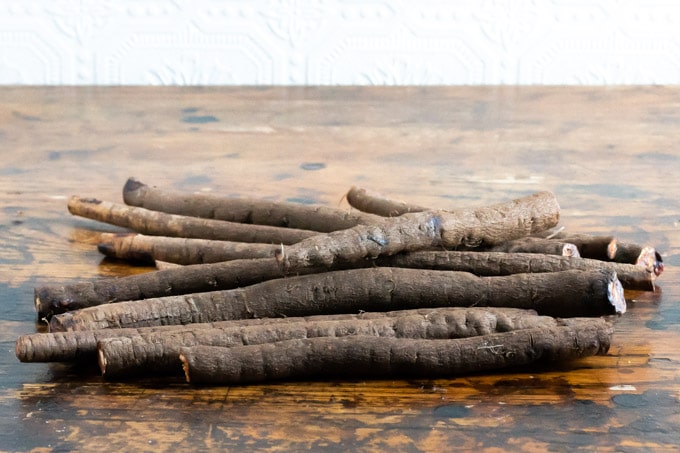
611, 155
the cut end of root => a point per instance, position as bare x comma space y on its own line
570, 250
616, 296
21, 350
281, 259
611, 249
185, 367
651, 260
101, 358
132, 185
134, 192
36, 301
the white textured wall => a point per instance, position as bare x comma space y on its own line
382, 42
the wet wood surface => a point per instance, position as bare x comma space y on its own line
611, 155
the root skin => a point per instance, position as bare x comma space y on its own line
54, 299
393, 358
374, 203
243, 210
185, 251
563, 294
80, 345
158, 352
500, 263
482, 227
156, 223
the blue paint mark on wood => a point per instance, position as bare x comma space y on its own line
196, 179
199, 119
312, 166
301, 200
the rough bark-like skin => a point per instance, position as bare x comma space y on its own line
157, 223
73, 346
139, 247
608, 248
537, 245
243, 210
50, 300
374, 203
646, 257
158, 352
589, 246
481, 227
393, 358
499, 263
568, 293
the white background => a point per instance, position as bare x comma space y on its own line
339, 42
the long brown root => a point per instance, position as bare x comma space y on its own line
139, 247
54, 299
374, 203
568, 293
157, 352
500, 263
374, 357
243, 210
480, 227
79, 345
161, 224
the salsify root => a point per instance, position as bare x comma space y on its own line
485, 263
608, 248
143, 248
374, 203
644, 256
374, 357
79, 345
567, 293
55, 299
157, 223
487, 226
157, 352
500, 263
537, 245
243, 210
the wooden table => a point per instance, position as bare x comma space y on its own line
611, 155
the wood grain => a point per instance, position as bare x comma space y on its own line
609, 154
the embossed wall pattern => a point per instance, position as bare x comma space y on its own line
339, 42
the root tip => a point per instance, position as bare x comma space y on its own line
132, 191
132, 184
616, 295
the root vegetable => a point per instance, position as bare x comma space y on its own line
374, 203
280, 214
54, 299
499, 263
608, 248
568, 293
79, 345
158, 352
487, 226
394, 358
646, 257
537, 245
139, 247
589, 246
161, 224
